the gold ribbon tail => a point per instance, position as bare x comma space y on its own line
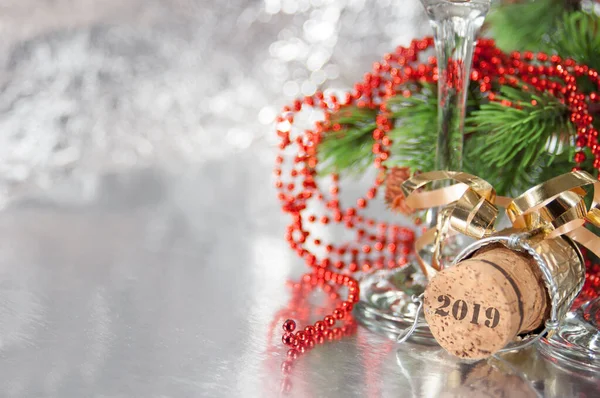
587, 239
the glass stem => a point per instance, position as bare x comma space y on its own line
455, 26
454, 48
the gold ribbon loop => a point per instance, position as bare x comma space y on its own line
556, 207
544, 192
471, 199
418, 199
469, 209
473, 215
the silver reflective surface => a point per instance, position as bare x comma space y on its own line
175, 286
576, 344
141, 249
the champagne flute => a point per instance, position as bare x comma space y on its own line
386, 304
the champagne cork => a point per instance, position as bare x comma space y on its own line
478, 306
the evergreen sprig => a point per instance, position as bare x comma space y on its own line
578, 37
513, 146
525, 25
348, 150
415, 133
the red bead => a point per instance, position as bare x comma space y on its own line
337, 333
579, 157
338, 313
301, 336
319, 326
286, 367
292, 354
329, 320
328, 334
337, 216
309, 330
319, 338
288, 339
289, 325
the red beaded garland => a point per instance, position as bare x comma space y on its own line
381, 244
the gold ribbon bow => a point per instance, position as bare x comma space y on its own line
554, 208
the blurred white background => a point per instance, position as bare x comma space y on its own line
89, 86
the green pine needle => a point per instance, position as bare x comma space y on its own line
415, 133
578, 37
512, 148
350, 149
525, 25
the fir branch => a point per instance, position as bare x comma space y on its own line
348, 150
578, 37
415, 133
512, 147
525, 25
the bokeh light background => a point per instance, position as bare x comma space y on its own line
90, 86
